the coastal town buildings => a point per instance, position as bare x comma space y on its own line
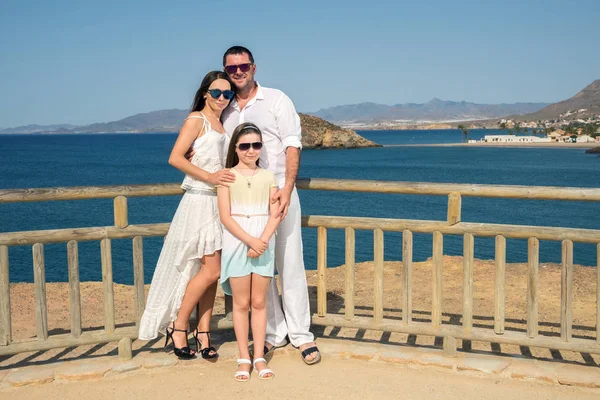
515, 139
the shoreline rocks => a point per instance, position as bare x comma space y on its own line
595, 150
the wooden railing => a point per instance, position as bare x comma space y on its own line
451, 226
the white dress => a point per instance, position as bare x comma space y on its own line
194, 232
249, 200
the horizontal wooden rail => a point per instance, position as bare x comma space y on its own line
96, 336
477, 229
456, 331
314, 221
340, 185
82, 234
444, 189
88, 192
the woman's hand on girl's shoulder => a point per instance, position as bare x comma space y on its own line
223, 177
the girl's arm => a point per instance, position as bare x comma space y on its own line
274, 218
231, 224
190, 131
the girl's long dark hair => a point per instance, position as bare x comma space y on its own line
199, 100
241, 130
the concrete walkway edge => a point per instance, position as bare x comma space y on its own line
510, 367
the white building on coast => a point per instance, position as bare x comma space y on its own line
515, 139
585, 139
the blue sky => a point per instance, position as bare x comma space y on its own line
81, 61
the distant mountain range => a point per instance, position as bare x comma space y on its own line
434, 110
38, 128
583, 105
155, 121
316, 133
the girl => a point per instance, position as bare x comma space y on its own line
250, 220
190, 261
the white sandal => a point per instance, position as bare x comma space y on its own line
263, 372
240, 375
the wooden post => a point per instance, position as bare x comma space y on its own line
228, 308
449, 345
378, 280
138, 278
499, 292
107, 285
39, 279
125, 350
598, 293
468, 255
120, 211
74, 289
321, 269
5, 321
350, 259
533, 247
436, 308
566, 292
407, 257
454, 208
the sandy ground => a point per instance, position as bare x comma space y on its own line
584, 308
333, 378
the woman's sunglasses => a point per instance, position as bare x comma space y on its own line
216, 93
232, 69
246, 146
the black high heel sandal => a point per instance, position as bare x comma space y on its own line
205, 352
183, 353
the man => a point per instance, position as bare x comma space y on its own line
274, 113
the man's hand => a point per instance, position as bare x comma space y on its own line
223, 177
283, 196
190, 154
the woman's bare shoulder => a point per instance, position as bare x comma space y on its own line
196, 121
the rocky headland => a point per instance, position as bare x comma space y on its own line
320, 134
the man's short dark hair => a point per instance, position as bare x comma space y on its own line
238, 50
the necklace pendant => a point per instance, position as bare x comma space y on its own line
249, 185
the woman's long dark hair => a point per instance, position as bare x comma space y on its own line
241, 130
199, 100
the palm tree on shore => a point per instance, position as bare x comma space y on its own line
465, 132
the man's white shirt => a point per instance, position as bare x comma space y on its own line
274, 113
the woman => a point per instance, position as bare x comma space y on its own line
190, 261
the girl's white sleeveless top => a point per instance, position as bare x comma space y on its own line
210, 156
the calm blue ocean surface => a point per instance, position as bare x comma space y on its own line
113, 159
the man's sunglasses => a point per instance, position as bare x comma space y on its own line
232, 69
216, 93
246, 146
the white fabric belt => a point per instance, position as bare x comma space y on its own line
249, 215
201, 191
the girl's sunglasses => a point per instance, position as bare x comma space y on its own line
246, 146
216, 93
232, 69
